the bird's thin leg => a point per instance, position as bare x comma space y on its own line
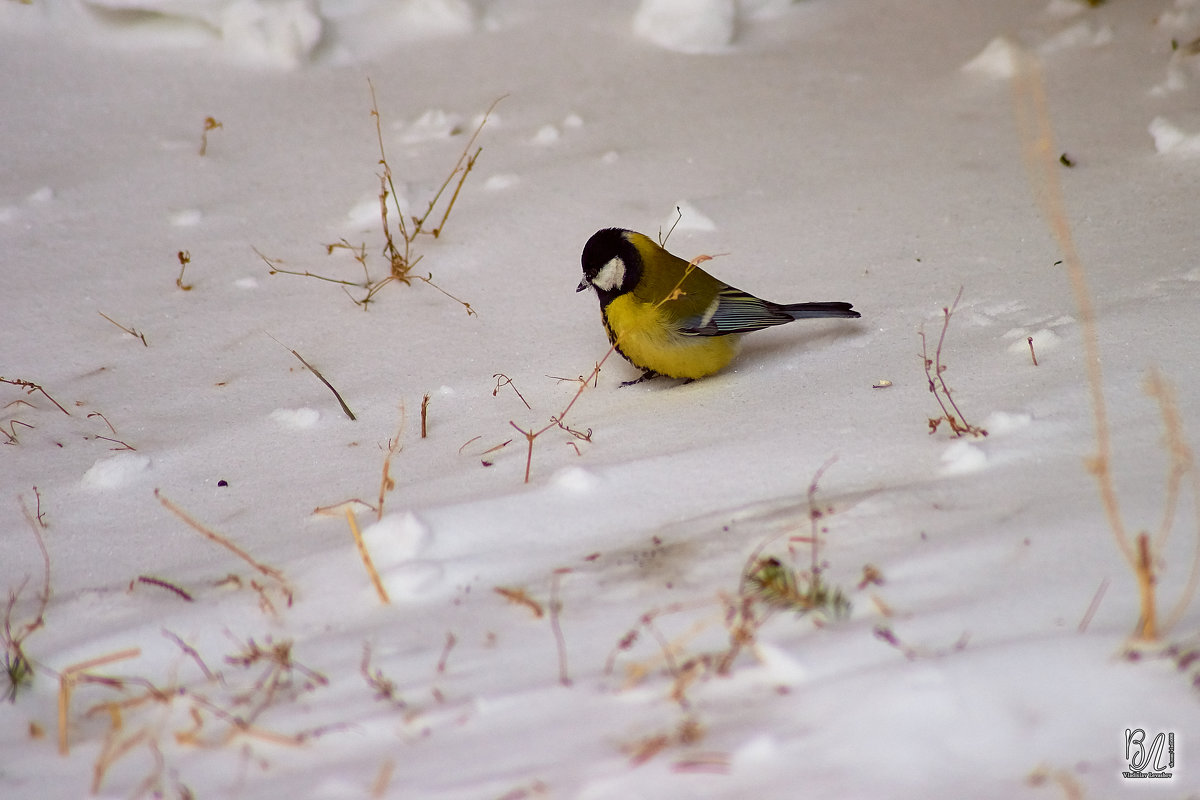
647, 375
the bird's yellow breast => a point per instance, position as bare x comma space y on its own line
645, 336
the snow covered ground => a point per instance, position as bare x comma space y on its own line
860, 151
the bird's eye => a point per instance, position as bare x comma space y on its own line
611, 275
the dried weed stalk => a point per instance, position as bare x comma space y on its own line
1144, 550
399, 246
345, 408
935, 374
366, 558
18, 669
278, 583
765, 587
30, 387
134, 332
593, 378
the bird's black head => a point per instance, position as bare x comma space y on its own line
611, 264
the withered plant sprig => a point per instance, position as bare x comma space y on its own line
398, 248
278, 581
30, 387
18, 669
935, 374
592, 379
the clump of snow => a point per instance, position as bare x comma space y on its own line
687, 26
296, 417
115, 471
434, 125
1082, 34
501, 181
575, 479
999, 423
546, 135
187, 218
1000, 60
397, 538
686, 217
1169, 137
1045, 340
962, 457
281, 33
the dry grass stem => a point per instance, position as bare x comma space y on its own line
425, 416
210, 124
366, 558
1093, 606
383, 686
394, 446
1033, 119
185, 258
935, 374
79, 673
531, 435
383, 778
503, 380
521, 598
556, 625
267, 571
345, 408
18, 669
30, 387
451, 641
162, 584
131, 331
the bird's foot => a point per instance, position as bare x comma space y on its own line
647, 375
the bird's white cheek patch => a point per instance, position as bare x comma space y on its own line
611, 275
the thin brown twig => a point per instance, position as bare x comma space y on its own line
555, 624
131, 331
162, 584
213, 536
30, 387
386, 483
345, 408
451, 640
366, 558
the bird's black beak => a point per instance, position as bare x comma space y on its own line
583, 284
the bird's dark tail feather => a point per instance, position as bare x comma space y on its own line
814, 310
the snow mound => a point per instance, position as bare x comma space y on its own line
1170, 138
962, 457
281, 34
296, 417
999, 60
686, 217
116, 471
397, 538
687, 26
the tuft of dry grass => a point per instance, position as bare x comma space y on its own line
400, 237
765, 586
18, 669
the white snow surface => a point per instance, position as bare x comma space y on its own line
867, 152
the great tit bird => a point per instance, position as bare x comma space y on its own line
668, 320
